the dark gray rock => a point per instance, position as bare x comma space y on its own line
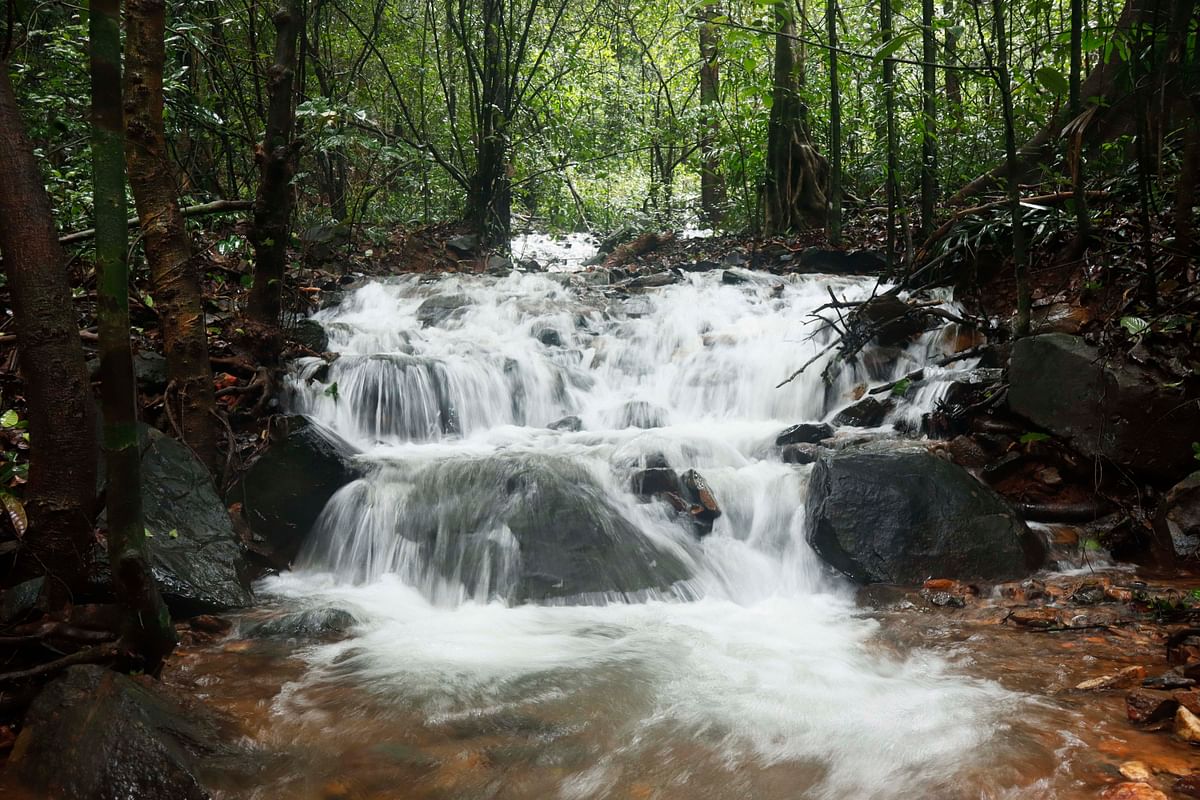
866, 413
837, 262
311, 334
465, 245
804, 433
800, 453
440, 308
1120, 412
732, 278
892, 513
94, 734
656, 480
654, 280
195, 555
572, 540
548, 337
573, 424
1177, 522
286, 489
20, 600
499, 263
318, 623
149, 367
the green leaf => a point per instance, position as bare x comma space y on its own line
889, 48
901, 388
332, 391
148, 533
150, 301
1034, 436
1136, 326
173, 533
1053, 80
9, 419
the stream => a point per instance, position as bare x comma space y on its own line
459, 639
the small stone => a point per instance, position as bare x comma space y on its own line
1135, 771
572, 424
1187, 725
1168, 681
945, 599
1049, 476
1144, 706
1126, 678
1133, 791
1035, 617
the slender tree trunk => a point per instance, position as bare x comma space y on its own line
189, 398
794, 190
1004, 80
712, 183
1075, 145
60, 495
489, 199
835, 127
147, 623
889, 103
928, 119
954, 98
276, 158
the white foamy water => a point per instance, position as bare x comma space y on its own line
739, 640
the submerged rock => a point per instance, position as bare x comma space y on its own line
640, 414
1119, 411
894, 513
311, 334
286, 489
94, 734
196, 556
439, 308
572, 424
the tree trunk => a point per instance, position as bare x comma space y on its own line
952, 81
712, 183
189, 397
928, 119
889, 103
1107, 91
61, 493
835, 127
276, 158
1075, 146
793, 193
147, 623
489, 198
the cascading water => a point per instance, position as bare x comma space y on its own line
497, 562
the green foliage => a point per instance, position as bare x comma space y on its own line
1033, 437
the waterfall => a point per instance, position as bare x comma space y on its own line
495, 555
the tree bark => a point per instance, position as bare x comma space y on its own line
712, 183
835, 127
1105, 91
794, 189
176, 281
928, 119
276, 158
489, 198
60, 495
889, 104
147, 623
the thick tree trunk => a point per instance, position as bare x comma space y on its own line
276, 158
147, 623
712, 183
189, 398
1106, 91
489, 198
1020, 259
889, 109
60, 495
793, 193
928, 119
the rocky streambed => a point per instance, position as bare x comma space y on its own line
568, 536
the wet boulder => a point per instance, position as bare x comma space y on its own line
311, 334
531, 528
571, 424
804, 433
464, 245
800, 453
196, 556
869, 412
838, 262
891, 512
286, 488
440, 308
703, 506
94, 734
1177, 521
1106, 408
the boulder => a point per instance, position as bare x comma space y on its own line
19, 601
866, 413
702, 504
837, 262
572, 424
895, 513
1119, 411
286, 488
195, 555
1144, 706
525, 527
316, 623
149, 367
800, 453
439, 308
804, 433
1177, 521
310, 334
464, 245
656, 480
94, 734
549, 337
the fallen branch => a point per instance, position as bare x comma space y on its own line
215, 207
90, 655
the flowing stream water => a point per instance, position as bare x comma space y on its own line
731, 665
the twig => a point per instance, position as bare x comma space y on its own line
215, 207
90, 655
